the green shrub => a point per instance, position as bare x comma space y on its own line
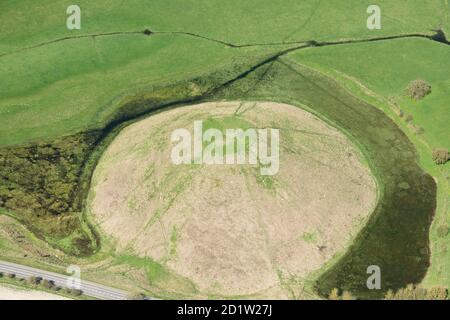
41, 184
441, 156
418, 89
136, 296
442, 231
419, 130
76, 292
48, 284
33, 280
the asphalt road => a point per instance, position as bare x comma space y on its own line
89, 288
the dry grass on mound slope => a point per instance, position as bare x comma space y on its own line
228, 229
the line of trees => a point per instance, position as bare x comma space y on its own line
413, 292
45, 283
410, 292
336, 294
50, 285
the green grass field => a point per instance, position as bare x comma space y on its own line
59, 85
238, 22
92, 71
93, 76
408, 60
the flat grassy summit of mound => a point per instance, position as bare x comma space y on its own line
228, 228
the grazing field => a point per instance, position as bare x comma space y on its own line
75, 84
71, 99
234, 21
96, 78
231, 230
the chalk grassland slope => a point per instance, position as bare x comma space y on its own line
243, 234
24, 23
364, 69
40, 186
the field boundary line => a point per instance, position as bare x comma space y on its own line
149, 33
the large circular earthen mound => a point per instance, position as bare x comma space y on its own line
227, 228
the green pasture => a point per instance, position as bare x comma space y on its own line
67, 86
387, 67
25, 23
